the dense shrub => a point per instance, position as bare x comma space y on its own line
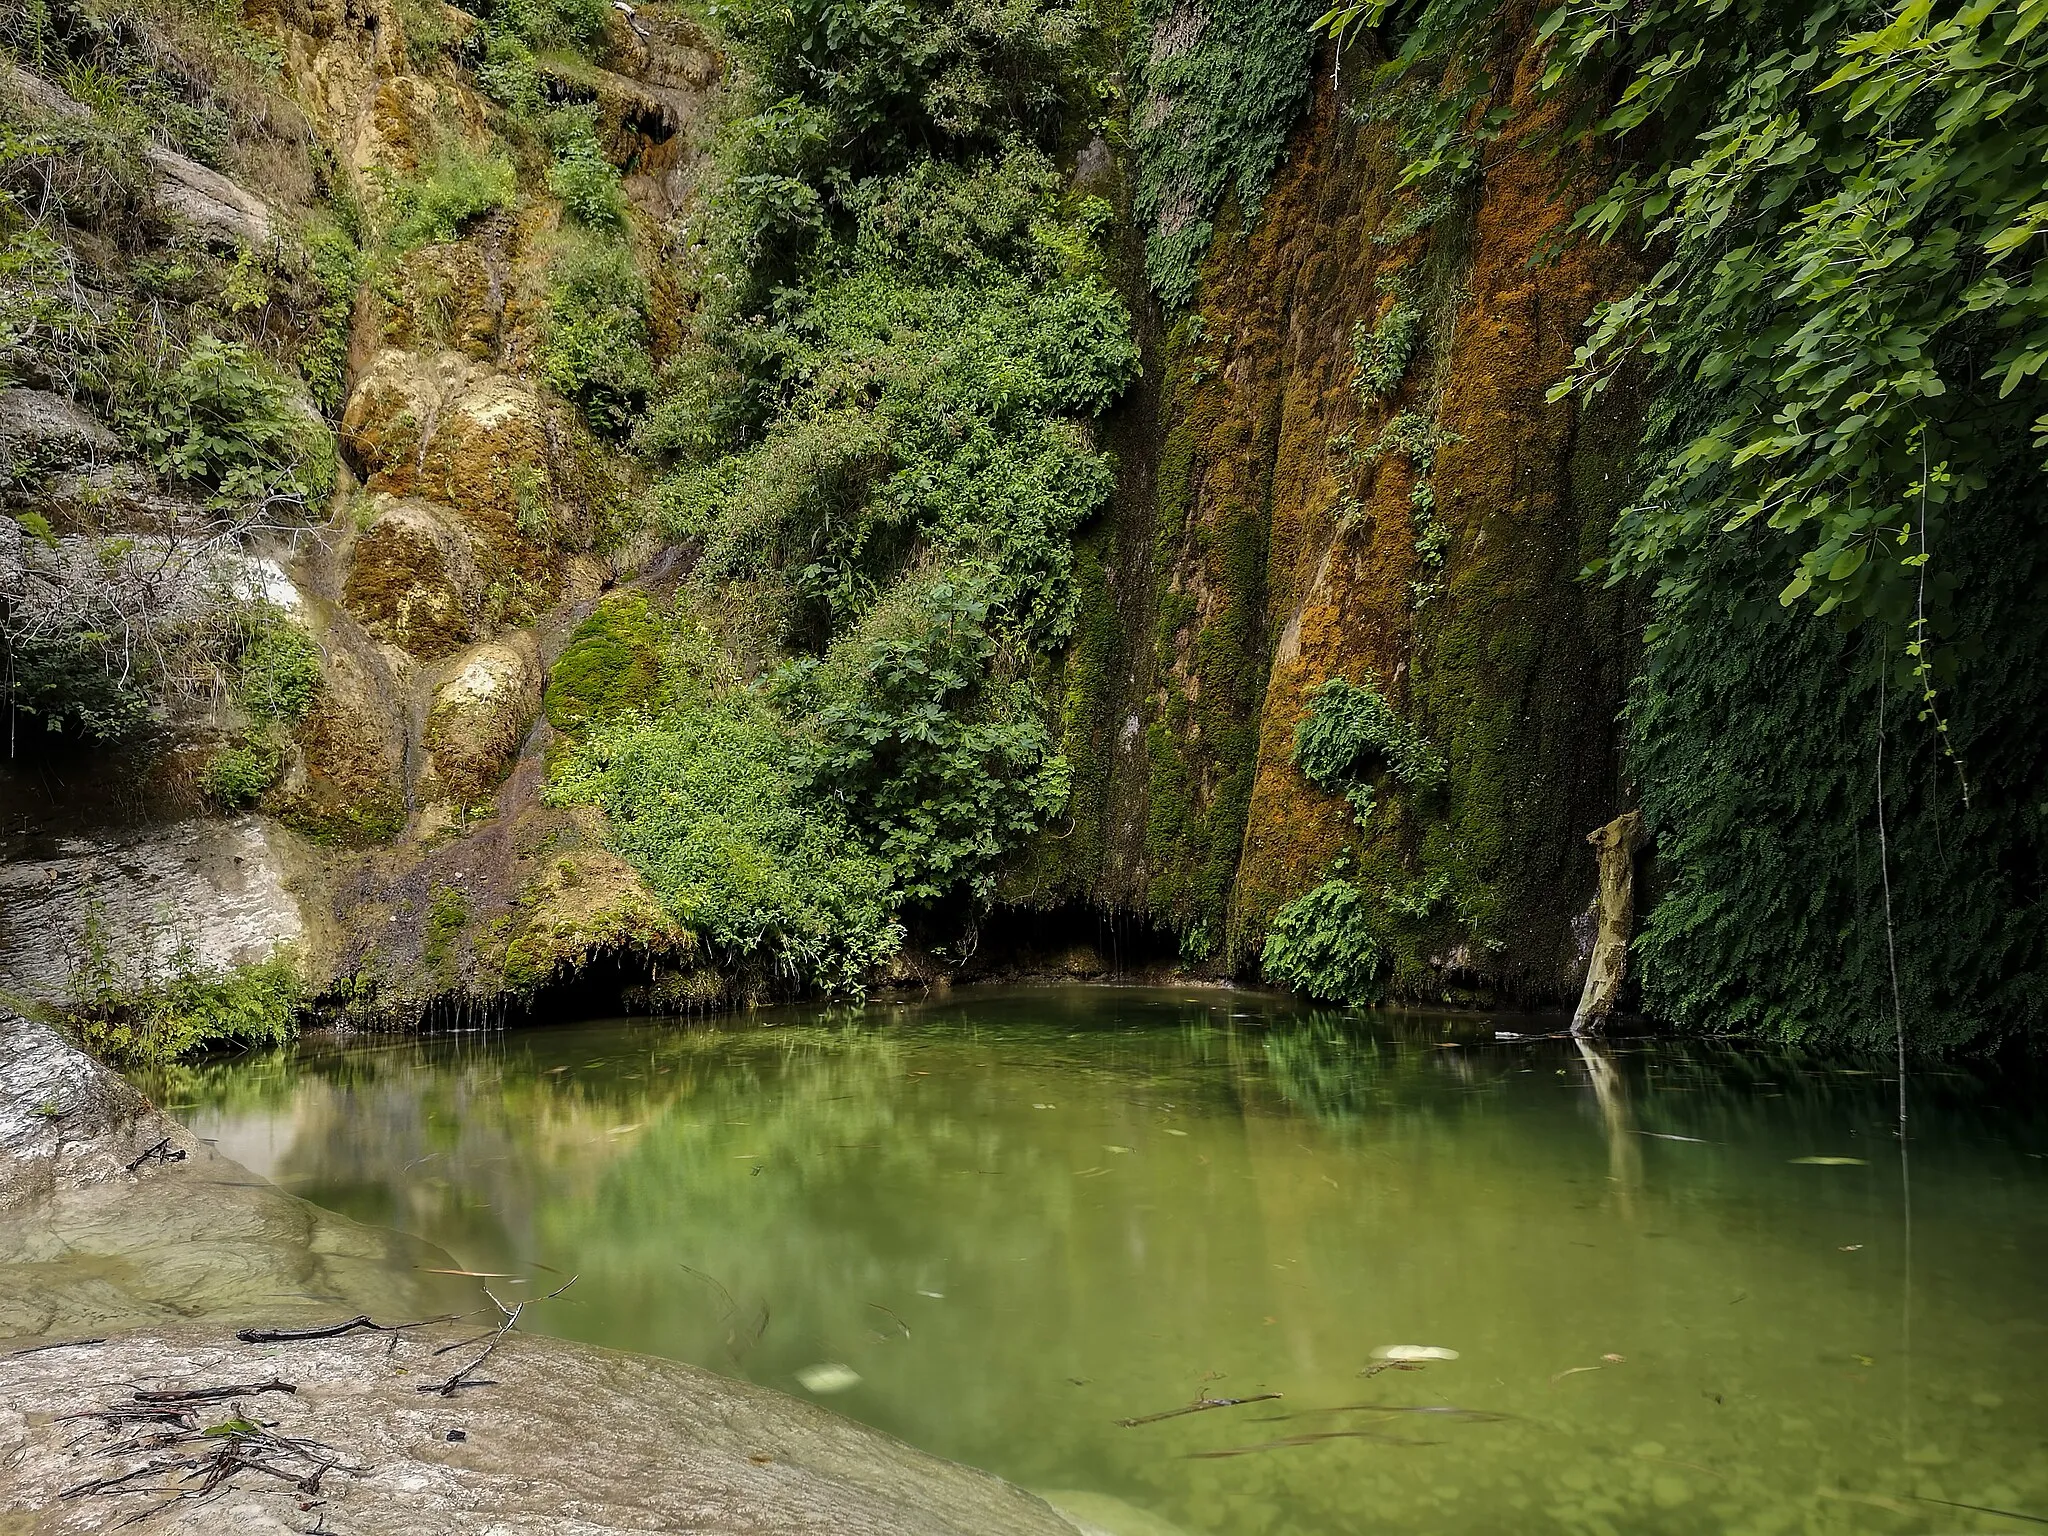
277, 675
1380, 353
223, 420
1326, 945
68, 686
942, 768
876, 444
574, 24
595, 348
461, 186
582, 176
236, 777
703, 797
1755, 737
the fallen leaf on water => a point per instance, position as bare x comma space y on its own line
1852, 1247
1414, 1352
1574, 1371
1615, 1359
827, 1378
1045, 1106
1834, 1162
1172, 1132
1110, 1147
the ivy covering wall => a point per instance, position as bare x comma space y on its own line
1844, 333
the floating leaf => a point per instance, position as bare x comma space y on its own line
1414, 1352
827, 1378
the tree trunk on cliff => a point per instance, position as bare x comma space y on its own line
1616, 915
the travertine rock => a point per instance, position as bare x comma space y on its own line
480, 714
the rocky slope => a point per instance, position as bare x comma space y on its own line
1269, 534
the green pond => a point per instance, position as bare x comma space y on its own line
1680, 1280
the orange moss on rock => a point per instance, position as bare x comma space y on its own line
1507, 662
412, 580
1281, 552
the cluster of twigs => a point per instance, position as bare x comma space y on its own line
509, 1319
186, 1459
1381, 1411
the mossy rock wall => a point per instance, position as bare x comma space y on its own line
1251, 559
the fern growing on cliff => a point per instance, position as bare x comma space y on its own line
1351, 735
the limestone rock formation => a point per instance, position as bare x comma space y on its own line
480, 715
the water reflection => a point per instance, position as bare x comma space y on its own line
1016, 1220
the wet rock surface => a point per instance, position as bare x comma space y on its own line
195, 893
112, 1215
566, 1440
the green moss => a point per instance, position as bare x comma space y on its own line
1212, 660
446, 914
611, 664
365, 822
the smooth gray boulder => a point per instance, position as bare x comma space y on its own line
198, 893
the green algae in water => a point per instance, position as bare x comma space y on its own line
1000, 1225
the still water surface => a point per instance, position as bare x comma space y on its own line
998, 1225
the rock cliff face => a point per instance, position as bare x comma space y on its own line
1276, 527
1253, 558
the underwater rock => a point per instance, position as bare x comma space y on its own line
112, 1215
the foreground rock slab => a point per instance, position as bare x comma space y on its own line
567, 1440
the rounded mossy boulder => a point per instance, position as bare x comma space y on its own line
611, 664
480, 714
